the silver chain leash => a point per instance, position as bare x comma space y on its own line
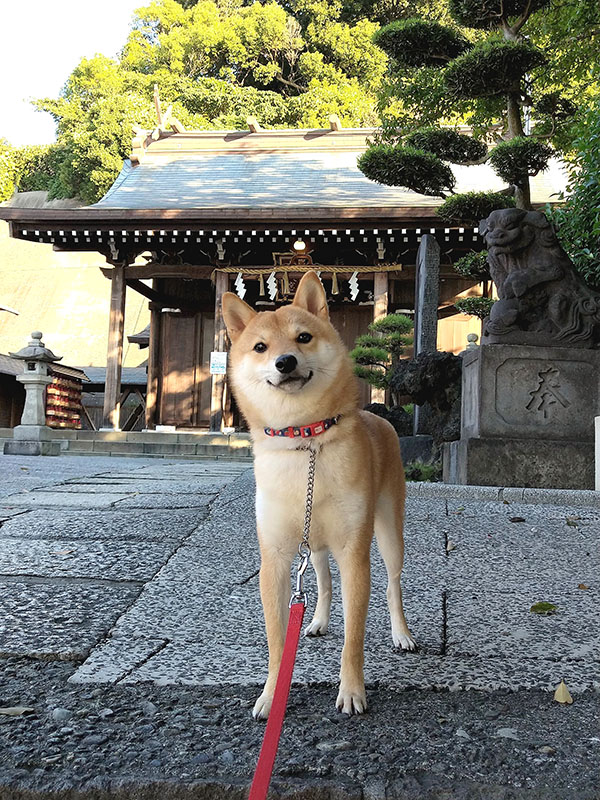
299, 595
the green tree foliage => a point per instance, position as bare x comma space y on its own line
377, 353
577, 222
27, 169
479, 307
216, 62
483, 68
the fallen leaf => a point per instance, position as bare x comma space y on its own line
517, 519
543, 608
583, 586
562, 694
450, 546
16, 711
572, 523
62, 552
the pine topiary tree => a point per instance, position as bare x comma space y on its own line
481, 70
377, 353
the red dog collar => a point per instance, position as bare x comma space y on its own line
305, 431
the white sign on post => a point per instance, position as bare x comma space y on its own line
218, 363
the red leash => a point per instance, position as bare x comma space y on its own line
268, 752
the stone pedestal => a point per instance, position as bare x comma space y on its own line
527, 418
32, 440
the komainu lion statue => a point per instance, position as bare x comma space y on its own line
542, 300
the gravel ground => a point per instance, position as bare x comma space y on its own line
155, 743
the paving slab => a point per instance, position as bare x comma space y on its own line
173, 501
485, 548
504, 624
115, 561
58, 619
54, 499
132, 525
145, 486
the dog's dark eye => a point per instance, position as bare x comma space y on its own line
303, 338
260, 347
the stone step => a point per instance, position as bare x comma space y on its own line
236, 446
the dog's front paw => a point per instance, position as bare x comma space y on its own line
404, 641
262, 706
351, 701
317, 627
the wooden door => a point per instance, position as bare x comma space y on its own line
186, 342
350, 323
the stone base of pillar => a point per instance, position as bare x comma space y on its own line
541, 464
31, 448
32, 440
33, 433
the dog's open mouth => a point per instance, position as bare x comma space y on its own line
291, 383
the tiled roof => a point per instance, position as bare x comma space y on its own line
279, 169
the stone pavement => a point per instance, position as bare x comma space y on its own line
141, 576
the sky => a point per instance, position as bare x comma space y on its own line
41, 42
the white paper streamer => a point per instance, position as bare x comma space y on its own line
240, 286
272, 286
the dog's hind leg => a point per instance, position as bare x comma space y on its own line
388, 532
275, 593
320, 620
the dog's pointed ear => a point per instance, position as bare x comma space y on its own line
311, 296
236, 314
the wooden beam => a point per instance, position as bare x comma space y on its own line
164, 300
153, 385
218, 381
380, 309
114, 360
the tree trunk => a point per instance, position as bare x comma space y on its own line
515, 128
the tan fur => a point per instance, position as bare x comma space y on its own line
359, 484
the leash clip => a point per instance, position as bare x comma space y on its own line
299, 595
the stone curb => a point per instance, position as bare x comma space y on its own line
511, 494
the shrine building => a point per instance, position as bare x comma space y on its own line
195, 214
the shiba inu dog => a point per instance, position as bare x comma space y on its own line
293, 381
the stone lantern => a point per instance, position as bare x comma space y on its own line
33, 437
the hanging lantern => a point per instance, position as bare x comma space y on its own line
261, 285
335, 289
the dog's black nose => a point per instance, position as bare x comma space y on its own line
286, 363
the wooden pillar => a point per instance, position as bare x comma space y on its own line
380, 309
114, 359
218, 381
153, 386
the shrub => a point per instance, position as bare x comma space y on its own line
448, 145
521, 156
420, 43
475, 306
475, 14
470, 208
491, 68
473, 265
419, 170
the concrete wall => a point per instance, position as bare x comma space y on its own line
66, 297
